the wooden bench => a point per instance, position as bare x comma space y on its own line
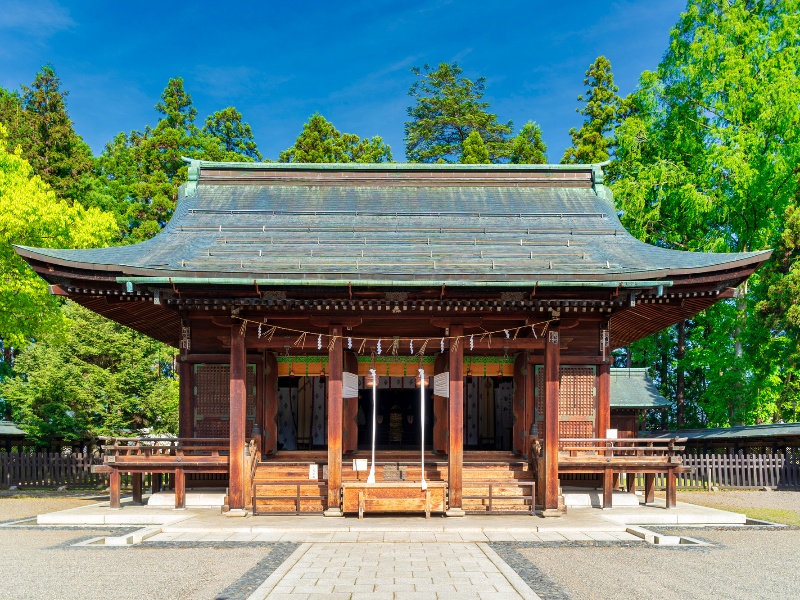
364, 497
160, 455
608, 457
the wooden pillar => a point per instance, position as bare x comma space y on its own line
603, 399
552, 367
237, 412
186, 401
649, 487
269, 429
136, 485
440, 410
519, 430
608, 487
350, 409
114, 491
180, 488
455, 453
334, 422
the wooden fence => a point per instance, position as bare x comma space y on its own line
49, 469
736, 471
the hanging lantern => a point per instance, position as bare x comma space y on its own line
469, 371
322, 373
369, 379
500, 371
291, 370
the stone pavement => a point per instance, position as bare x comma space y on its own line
395, 571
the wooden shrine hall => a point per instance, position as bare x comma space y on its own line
476, 304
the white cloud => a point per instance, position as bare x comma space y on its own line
37, 19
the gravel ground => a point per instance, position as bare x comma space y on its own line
741, 501
746, 563
21, 505
43, 565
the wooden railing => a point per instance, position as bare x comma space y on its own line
146, 447
632, 448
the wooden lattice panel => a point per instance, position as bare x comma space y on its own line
576, 400
576, 391
212, 388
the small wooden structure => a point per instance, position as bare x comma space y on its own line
281, 284
402, 497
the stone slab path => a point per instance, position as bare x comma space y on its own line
396, 571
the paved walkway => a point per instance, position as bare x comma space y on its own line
394, 571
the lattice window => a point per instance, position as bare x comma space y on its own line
212, 386
576, 400
576, 391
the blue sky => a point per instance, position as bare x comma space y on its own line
279, 62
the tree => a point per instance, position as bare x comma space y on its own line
31, 214
94, 377
37, 121
142, 170
234, 135
707, 160
474, 150
321, 142
527, 147
447, 108
590, 143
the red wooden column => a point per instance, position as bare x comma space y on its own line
603, 399
237, 413
552, 366
334, 422
269, 431
350, 409
440, 411
185, 402
455, 454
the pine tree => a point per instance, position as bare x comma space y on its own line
234, 135
447, 108
527, 146
591, 143
37, 122
475, 152
321, 142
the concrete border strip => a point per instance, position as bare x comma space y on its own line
270, 582
510, 574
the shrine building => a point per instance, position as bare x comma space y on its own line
298, 293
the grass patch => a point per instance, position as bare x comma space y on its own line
776, 515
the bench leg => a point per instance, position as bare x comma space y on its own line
672, 484
136, 484
615, 484
360, 505
608, 487
427, 504
155, 483
649, 488
630, 479
114, 484
180, 488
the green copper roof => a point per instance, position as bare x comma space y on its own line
10, 429
399, 222
743, 432
632, 388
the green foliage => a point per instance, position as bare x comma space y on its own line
591, 143
31, 214
321, 142
474, 150
92, 378
235, 136
447, 108
707, 159
527, 147
37, 122
142, 170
